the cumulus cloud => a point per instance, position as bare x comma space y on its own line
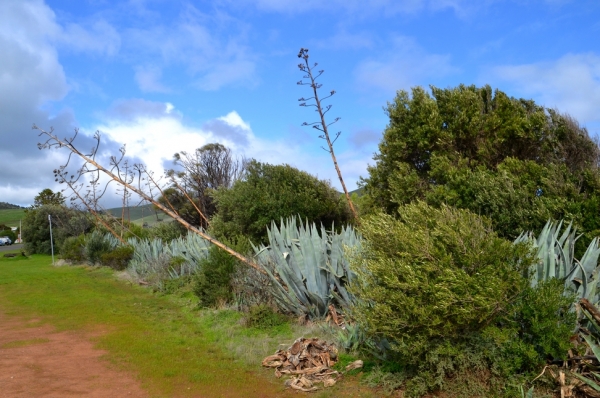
136, 108
404, 65
155, 140
570, 83
31, 77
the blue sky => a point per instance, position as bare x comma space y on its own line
166, 76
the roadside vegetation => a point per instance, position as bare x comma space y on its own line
468, 266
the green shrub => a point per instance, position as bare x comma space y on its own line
166, 231
117, 258
73, 249
433, 273
272, 192
264, 317
212, 283
449, 296
95, 246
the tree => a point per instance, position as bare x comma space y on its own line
270, 192
207, 168
47, 197
66, 222
509, 159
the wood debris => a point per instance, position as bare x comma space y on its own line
308, 361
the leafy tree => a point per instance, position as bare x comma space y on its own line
65, 222
509, 159
48, 197
270, 192
205, 169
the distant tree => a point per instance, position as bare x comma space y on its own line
65, 222
207, 168
48, 197
509, 159
270, 192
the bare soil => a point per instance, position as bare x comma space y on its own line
38, 361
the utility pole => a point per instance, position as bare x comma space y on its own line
51, 242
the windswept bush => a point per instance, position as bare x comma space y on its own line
449, 296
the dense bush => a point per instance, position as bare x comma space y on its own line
508, 159
448, 295
268, 193
264, 317
212, 282
65, 222
166, 231
73, 249
118, 258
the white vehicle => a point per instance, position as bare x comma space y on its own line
5, 240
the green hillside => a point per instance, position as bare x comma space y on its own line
140, 214
11, 217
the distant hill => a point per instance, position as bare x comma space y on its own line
140, 214
4, 206
11, 217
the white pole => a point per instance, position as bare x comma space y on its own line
20, 231
51, 242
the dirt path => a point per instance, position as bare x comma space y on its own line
37, 361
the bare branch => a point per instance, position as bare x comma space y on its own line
321, 125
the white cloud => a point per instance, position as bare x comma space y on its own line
571, 83
406, 64
155, 141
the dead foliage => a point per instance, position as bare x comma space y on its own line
308, 362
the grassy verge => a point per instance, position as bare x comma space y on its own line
174, 349
167, 346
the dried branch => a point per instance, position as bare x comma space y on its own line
92, 166
321, 125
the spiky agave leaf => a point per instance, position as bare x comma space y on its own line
310, 263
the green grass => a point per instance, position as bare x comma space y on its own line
167, 346
174, 349
139, 214
11, 217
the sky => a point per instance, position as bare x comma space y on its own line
162, 77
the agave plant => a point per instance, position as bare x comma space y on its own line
556, 259
152, 258
307, 267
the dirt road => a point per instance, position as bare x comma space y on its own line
37, 361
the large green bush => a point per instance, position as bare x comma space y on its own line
272, 192
449, 297
65, 222
433, 273
509, 159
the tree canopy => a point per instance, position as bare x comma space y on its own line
470, 147
269, 192
48, 197
196, 173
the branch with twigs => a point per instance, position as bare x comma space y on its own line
321, 125
93, 167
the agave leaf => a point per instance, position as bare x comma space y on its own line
587, 381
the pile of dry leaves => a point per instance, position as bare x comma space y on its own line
309, 362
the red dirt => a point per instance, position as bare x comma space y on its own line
38, 361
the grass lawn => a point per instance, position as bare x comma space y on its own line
174, 349
11, 217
